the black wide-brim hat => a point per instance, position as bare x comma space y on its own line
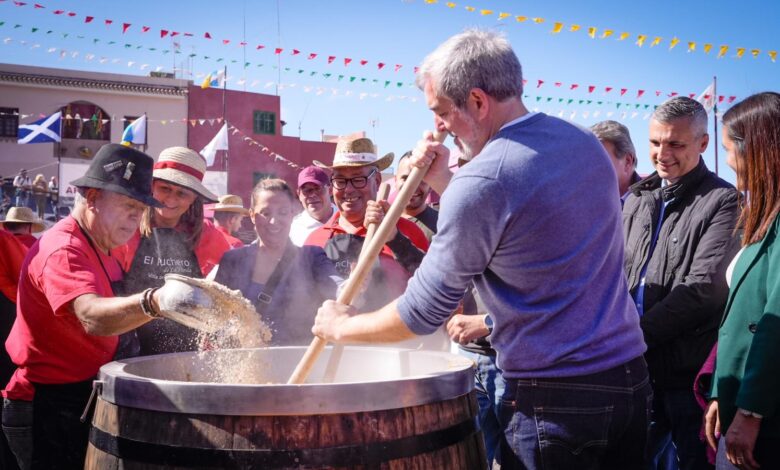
123, 170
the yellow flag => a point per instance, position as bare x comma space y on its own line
486, 12
538, 20
521, 19
501, 16
574, 28
755, 52
470, 9
607, 33
722, 51
656, 41
624, 36
451, 5
772, 55
640, 40
673, 43
691, 46
557, 28
740, 52
431, 1
707, 48
592, 32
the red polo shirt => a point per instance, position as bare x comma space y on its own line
12, 253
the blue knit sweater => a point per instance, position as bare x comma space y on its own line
535, 222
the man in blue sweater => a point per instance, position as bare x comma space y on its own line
527, 219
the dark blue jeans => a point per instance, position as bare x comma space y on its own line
489, 386
596, 421
59, 437
677, 416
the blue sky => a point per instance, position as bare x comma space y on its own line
403, 32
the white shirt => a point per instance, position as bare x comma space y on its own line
303, 225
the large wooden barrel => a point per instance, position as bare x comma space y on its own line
385, 409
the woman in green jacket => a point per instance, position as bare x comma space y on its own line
746, 384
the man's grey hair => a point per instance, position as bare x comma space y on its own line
617, 134
682, 107
473, 59
80, 197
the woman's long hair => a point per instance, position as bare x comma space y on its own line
754, 127
190, 223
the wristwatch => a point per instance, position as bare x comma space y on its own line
489, 324
749, 413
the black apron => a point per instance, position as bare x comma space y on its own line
165, 251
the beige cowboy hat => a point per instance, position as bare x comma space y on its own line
231, 203
24, 215
185, 167
356, 153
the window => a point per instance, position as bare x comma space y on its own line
9, 122
264, 122
82, 120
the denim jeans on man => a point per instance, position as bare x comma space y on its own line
677, 416
489, 387
596, 421
18, 430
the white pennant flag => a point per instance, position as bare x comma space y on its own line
219, 142
707, 97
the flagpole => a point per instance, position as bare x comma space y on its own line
146, 132
715, 117
224, 120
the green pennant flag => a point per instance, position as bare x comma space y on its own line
387, 82
570, 101
17, 26
363, 79
34, 30
165, 51
138, 47
111, 42
127, 46
2, 23
538, 98
233, 61
647, 106
193, 55
259, 65
351, 79
400, 84
300, 70
287, 69
341, 77
205, 57
80, 37
618, 106
220, 59
637, 106
327, 75
49, 31
312, 74
599, 102
581, 101
95, 40
247, 64
65, 35
560, 100
549, 98
590, 101
375, 81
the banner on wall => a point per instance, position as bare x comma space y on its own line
70, 171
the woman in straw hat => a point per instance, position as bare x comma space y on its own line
172, 239
286, 283
21, 221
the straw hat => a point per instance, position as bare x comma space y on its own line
185, 167
356, 153
231, 203
24, 215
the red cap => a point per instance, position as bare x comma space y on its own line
313, 174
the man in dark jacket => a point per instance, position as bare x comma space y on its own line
679, 228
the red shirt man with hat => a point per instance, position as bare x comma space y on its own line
314, 194
67, 318
355, 180
228, 214
22, 222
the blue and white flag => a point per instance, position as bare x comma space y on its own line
214, 80
41, 131
135, 133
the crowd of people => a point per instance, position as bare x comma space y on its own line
614, 320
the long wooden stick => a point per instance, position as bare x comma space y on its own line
338, 349
358, 275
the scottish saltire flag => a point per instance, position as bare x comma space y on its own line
214, 79
41, 131
135, 133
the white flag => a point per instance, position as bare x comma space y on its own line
219, 142
707, 97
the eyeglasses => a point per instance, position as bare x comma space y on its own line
359, 182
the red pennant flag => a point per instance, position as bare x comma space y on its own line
640, 93
657, 93
623, 91
691, 95
380, 65
226, 41
416, 69
312, 55
539, 83
207, 35
260, 46
189, 35
731, 99
174, 33
573, 86
558, 84
20, 4
721, 98
673, 94
242, 44
363, 62
163, 33
525, 82
145, 29
108, 22
331, 58
38, 5
71, 14
295, 52
124, 27
58, 12
89, 19
278, 50
347, 60
607, 89
591, 88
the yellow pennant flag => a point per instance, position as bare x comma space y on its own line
574, 28
486, 12
557, 28
521, 19
538, 20
707, 48
656, 41
755, 52
592, 32
451, 5
607, 33
640, 40
722, 51
501, 16
772, 55
471, 9
431, 1
624, 36
691, 46
740, 52
673, 43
